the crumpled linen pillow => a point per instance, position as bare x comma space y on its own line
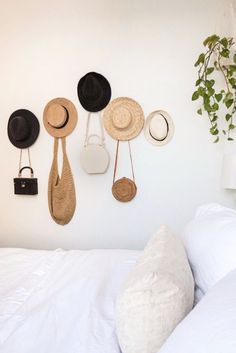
157, 295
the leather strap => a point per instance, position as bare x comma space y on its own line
102, 137
116, 161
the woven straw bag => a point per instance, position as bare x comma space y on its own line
61, 190
124, 189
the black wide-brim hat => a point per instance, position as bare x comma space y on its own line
94, 92
23, 128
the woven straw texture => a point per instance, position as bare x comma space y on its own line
61, 191
123, 119
70, 125
124, 189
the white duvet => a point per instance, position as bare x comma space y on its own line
61, 301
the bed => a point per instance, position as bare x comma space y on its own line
60, 301
68, 301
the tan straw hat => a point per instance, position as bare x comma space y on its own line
123, 118
159, 128
60, 117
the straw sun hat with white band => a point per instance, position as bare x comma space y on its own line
123, 118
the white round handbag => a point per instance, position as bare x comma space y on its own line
94, 157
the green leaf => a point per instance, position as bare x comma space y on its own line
209, 83
198, 82
232, 68
218, 97
200, 59
213, 128
232, 81
230, 139
207, 107
209, 41
224, 42
216, 65
229, 102
215, 117
215, 107
234, 58
232, 126
211, 91
199, 111
225, 53
214, 132
210, 70
201, 91
224, 132
217, 139
228, 117
195, 96
228, 96
206, 103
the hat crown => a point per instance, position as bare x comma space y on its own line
121, 118
19, 128
57, 116
60, 117
92, 88
158, 127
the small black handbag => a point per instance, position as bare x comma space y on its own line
26, 186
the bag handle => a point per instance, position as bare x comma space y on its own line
20, 161
55, 149
31, 171
94, 135
87, 137
116, 161
55, 155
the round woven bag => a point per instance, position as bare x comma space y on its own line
124, 189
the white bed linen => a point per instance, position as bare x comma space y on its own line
61, 301
211, 326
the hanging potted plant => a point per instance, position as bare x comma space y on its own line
216, 65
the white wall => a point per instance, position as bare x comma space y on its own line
146, 49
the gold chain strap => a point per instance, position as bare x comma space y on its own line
20, 161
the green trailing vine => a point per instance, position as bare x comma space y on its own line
218, 60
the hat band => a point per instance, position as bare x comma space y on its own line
167, 131
65, 123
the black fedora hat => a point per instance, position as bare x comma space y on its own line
23, 128
94, 92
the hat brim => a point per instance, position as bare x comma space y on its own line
137, 119
103, 100
72, 118
170, 128
33, 124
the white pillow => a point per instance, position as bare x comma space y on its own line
211, 325
210, 242
157, 295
